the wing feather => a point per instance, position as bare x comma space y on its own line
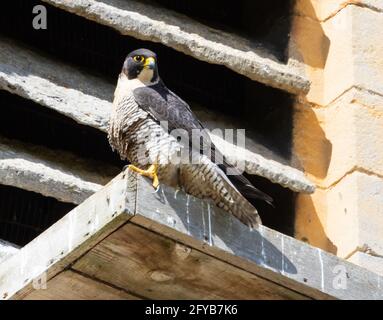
164, 105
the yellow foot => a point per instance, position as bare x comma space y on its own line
151, 173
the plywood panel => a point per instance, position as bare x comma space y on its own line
170, 245
74, 286
261, 251
69, 238
157, 267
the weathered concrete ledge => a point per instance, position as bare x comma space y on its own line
147, 22
65, 89
283, 266
86, 100
59, 174
62, 242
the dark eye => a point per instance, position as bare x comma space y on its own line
138, 58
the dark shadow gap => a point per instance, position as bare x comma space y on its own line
24, 214
281, 217
30, 122
264, 23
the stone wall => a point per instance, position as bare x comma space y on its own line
338, 127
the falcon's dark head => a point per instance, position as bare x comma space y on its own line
141, 64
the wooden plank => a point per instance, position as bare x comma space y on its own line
180, 247
7, 250
69, 285
263, 252
157, 267
70, 237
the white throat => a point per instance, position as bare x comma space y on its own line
126, 86
146, 75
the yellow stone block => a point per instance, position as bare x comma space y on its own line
340, 53
310, 220
319, 9
338, 126
324, 9
348, 216
347, 135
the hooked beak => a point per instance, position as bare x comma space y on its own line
150, 63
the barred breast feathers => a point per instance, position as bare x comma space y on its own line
125, 113
130, 126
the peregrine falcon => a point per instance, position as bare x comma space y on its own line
144, 116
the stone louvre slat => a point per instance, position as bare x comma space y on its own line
62, 176
86, 99
147, 22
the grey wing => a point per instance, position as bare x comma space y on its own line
164, 105
207, 180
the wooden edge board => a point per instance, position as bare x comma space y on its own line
69, 238
262, 251
7, 250
73, 285
154, 266
195, 223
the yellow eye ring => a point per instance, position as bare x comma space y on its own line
138, 58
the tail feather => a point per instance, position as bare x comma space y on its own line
244, 186
208, 180
237, 204
240, 182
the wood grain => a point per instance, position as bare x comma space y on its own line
264, 252
170, 245
69, 238
156, 267
69, 285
